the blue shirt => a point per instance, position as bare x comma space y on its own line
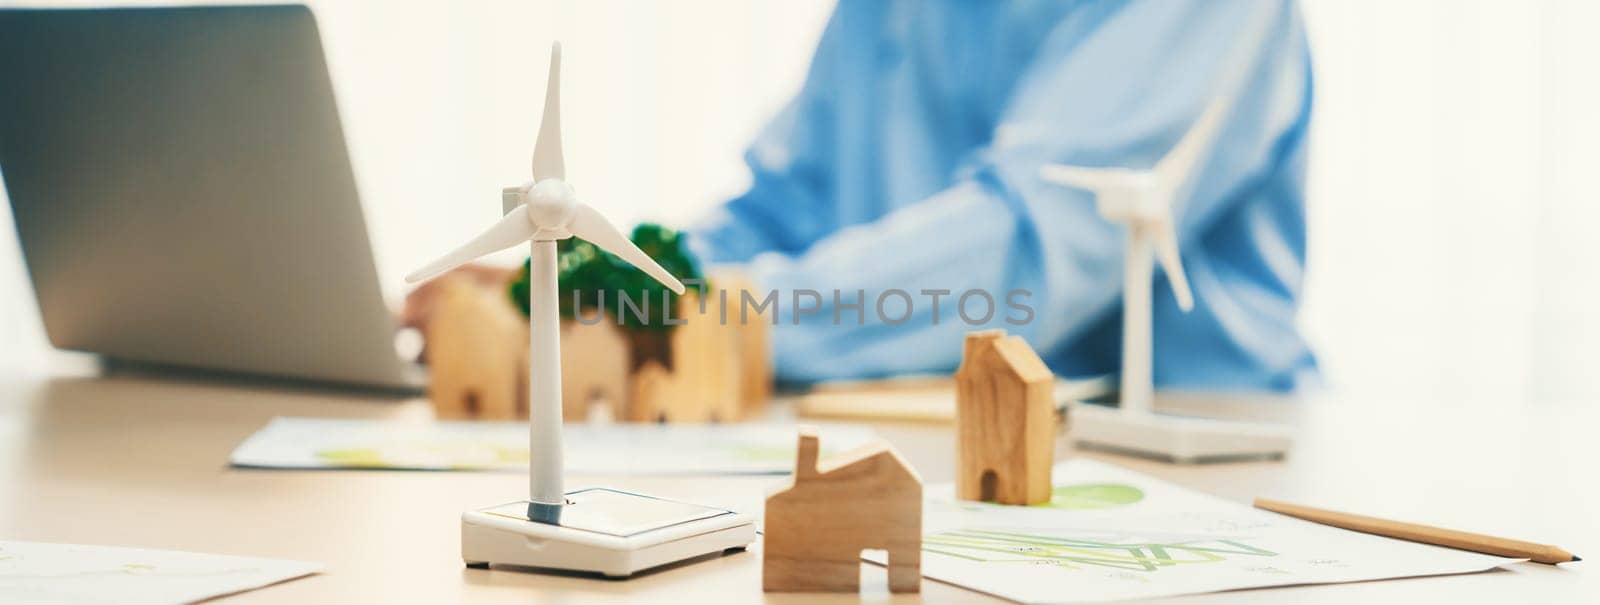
910, 160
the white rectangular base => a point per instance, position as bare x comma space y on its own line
626, 533
1180, 439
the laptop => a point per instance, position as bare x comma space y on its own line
182, 193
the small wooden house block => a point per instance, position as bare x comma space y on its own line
711, 368
478, 371
1005, 421
817, 525
703, 383
594, 368
753, 333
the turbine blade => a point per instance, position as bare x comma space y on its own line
548, 160
1092, 179
512, 229
1166, 243
1175, 167
589, 225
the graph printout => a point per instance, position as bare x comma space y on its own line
36, 572
1111, 534
620, 449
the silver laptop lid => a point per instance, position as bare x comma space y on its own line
182, 193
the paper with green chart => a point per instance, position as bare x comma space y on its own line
37, 572
609, 449
1112, 534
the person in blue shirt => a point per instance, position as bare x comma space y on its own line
910, 160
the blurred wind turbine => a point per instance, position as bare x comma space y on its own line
1143, 200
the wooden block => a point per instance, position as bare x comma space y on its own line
594, 368
702, 385
477, 353
1005, 421
818, 524
889, 406
422, 302
753, 332
914, 383
708, 370
650, 387
910, 398
918, 399
705, 357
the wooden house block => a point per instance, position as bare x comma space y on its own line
1005, 421
753, 334
818, 524
706, 369
594, 368
477, 353
702, 384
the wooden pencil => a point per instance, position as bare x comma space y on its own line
1504, 547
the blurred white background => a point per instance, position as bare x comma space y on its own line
1451, 254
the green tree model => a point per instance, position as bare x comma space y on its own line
587, 269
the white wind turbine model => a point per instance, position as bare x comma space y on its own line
596, 529
1142, 201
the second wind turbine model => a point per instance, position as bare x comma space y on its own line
1142, 200
596, 529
